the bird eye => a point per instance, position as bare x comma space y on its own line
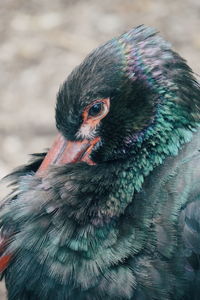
95, 109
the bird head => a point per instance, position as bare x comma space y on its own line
122, 95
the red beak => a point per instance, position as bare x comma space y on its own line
64, 152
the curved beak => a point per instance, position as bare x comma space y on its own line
64, 152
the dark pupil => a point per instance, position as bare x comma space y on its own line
95, 109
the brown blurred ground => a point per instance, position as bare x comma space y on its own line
42, 40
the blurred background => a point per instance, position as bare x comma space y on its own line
41, 41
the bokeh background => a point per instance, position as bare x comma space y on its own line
41, 41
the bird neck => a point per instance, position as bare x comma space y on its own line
171, 129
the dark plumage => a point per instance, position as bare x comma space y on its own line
120, 218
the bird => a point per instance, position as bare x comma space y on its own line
112, 210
